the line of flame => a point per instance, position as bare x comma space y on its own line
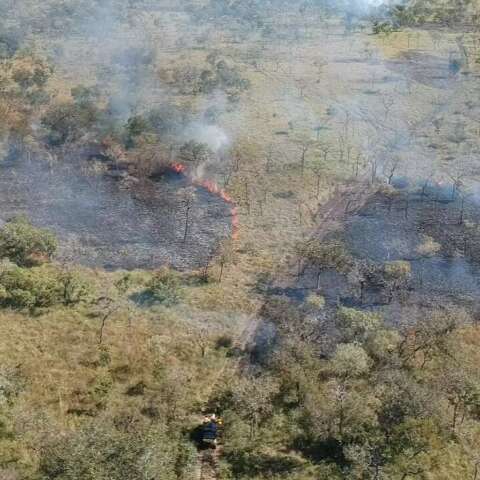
212, 187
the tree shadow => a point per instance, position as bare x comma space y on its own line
251, 464
328, 450
145, 299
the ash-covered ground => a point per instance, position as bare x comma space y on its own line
115, 223
432, 229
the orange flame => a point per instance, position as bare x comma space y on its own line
178, 167
212, 187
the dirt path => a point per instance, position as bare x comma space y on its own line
208, 464
207, 461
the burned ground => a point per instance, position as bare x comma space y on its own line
116, 221
430, 230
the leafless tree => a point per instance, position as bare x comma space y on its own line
390, 167
107, 307
226, 256
387, 101
187, 199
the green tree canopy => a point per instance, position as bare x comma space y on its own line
25, 244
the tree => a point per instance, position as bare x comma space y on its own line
357, 325
68, 121
187, 199
305, 145
136, 126
323, 256
390, 167
227, 255
25, 244
397, 273
195, 153
350, 360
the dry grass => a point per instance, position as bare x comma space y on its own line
292, 90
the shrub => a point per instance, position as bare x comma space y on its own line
397, 270
68, 121
26, 245
315, 302
350, 360
429, 247
324, 256
30, 288
75, 288
164, 287
382, 27
357, 324
224, 341
41, 287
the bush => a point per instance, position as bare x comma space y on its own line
315, 302
350, 360
382, 27
26, 245
224, 341
69, 121
41, 287
164, 287
29, 288
357, 325
397, 270
324, 256
75, 288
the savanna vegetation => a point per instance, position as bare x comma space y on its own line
334, 329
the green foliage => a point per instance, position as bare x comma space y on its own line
11, 384
315, 302
75, 287
324, 256
135, 127
24, 244
219, 75
223, 76
194, 152
397, 270
85, 96
167, 119
350, 360
357, 325
30, 288
68, 121
383, 344
24, 77
165, 287
41, 287
403, 16
382, 27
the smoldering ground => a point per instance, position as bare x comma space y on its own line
112, 223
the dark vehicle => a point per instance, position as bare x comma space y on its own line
210, 434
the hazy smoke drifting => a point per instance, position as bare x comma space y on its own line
212, 135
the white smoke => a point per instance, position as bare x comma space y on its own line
212, 135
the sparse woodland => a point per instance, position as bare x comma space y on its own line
330, 317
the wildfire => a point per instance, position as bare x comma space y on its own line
212, 187
178, 167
